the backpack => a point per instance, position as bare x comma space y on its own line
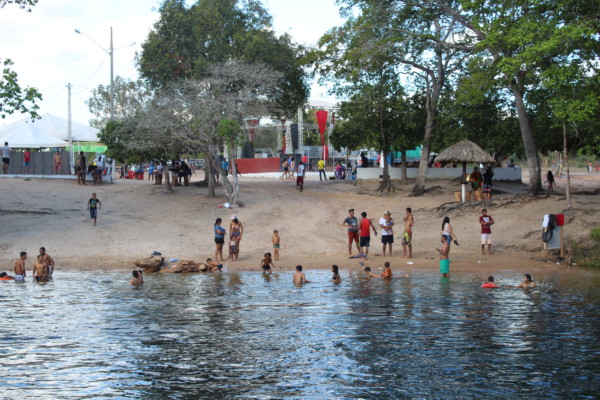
547, 235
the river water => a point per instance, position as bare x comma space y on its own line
244, 335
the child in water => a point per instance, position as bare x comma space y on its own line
336, 275
276, 243
136, 277
387, 271
489, 283
266, 263
214, 266
299, 277
527, 283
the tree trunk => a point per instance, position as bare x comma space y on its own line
386, 182
167, 177
568, 187
533, 161
210, 174
419, 187
404, 176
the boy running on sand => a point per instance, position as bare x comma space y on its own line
276, 243
20, 273
93, 206
299, 277
266, 263
409, 222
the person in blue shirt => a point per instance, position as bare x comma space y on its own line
219, 239
225, 166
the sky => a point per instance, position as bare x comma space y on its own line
48, 54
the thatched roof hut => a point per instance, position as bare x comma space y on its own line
463, 152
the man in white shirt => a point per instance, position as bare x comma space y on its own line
300, 176
387, 234
5, 158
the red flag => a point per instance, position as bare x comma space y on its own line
322, 122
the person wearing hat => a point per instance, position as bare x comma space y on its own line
236, 230
351, 222
386, 223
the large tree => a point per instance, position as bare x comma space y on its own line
515, 41
187, 41
427, 45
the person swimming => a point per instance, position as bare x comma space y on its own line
527, 282
136, 277
336, 275
489, 283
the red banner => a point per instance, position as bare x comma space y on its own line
322, 123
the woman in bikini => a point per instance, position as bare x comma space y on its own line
236, 230
448, 233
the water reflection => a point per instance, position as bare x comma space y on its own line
249, 335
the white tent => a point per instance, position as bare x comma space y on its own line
27, 138
49, 125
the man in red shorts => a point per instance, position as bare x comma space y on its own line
352, 224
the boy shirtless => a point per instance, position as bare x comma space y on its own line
409, 221
276, 243
46, 259
57, 159
20, 268
136, 277
233, 250
387, 271
214, 266
369, 274
299, 277
266, 263
40, 270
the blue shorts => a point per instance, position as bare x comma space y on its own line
26, 163
93, 213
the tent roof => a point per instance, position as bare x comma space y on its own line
465, 151
52, 125
29, 139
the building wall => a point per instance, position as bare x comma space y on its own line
255, 165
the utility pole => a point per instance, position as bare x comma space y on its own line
70, 127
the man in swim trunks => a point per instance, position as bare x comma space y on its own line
366, 225
57, 160
409, 221
46, 259
20, 273
486, 222
40, 270
351, 222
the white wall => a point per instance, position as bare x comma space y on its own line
500, 174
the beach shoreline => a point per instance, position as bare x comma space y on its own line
138, 218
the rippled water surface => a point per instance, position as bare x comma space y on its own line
90, 336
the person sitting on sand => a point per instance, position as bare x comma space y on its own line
299, 277
136, 277
214, 266
6, 277
336, 275
266, 263
489, 283
527, 283
40, 270
387, 271
20, 273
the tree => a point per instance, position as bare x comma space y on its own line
194, 116
131, 97
24, 4
515, 41
427, 44
375, 115
186, 42
13, 98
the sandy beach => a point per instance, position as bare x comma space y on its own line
138, 218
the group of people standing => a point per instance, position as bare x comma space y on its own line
359, 233
43, 267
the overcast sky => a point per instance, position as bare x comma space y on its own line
48, 54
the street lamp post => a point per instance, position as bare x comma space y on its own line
110, 52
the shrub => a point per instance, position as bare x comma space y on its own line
596, 235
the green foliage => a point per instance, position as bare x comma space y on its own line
23, 4
596, 235
13, 98
185, 42
130, 98
230, 131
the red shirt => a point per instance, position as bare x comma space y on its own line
485, 228
365, 226
26, 156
